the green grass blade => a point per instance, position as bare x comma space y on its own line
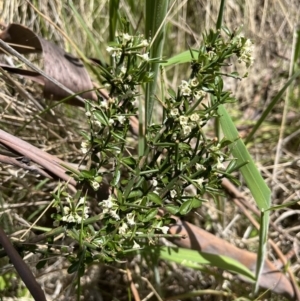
156, 11
220, 16
87, 31
297, 48
255, 183
195, 259
252, 176
113, 18
262, 248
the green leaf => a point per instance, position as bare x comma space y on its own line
151, 214
252, 176
101, 117
194, 259
129, 161
188, 205
181, 58
254, 181
172, 209
153, 197
87, 174
74, 267
41, 264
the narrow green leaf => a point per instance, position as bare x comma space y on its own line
181, 58
156, 11
194, 259
252, 176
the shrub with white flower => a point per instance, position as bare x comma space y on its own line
149, 173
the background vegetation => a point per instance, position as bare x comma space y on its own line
271, 26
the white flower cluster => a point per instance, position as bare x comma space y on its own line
220, 156
127, 40
85, 146
71, 214
114, 51
110, 207
246, 52
189, 122
190, 88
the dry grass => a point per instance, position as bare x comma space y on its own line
23, 197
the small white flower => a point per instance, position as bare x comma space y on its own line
114, 214
104, 104
194, 117
121, 119
186, 91
127, 37
95, 185
186, 129
111, 100
136, 245
69, 199
220, 165
198, 94
68, 218
174, 112
145, 43
66, 210
115, 52
88, 114
85, 145
203, 122
123, 69
194, 82
109, 49
111, 121
80, 202
78, 218
164, 229
154, 182
184, 84
144, 56
173, 193
107, 203
211, 54
130, 219
135, 101
85, 212
183, 120
98, 123
200, 181
200, 167
123, 229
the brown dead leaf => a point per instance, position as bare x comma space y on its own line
58, 64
